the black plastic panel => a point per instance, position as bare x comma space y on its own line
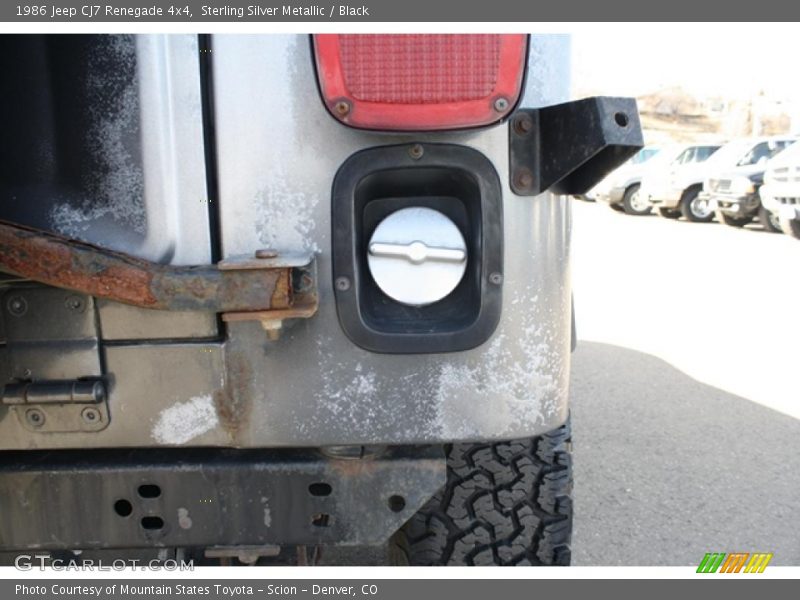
457, 181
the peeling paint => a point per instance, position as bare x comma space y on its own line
184, 520
316, 386
267, 513
521, 370
284, 217
185, 421
114, 187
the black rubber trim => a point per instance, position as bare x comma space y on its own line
210, 153
344, 244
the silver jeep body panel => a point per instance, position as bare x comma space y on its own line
182, 379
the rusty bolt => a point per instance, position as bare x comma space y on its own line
342, 108
34, 417
273, 328
75, 303
523, 179
305, 283
342, 284
266, 253
416, 151
496, 278
523, 124
90, 415
17, 306
501, 104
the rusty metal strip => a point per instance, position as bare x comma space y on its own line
66, 263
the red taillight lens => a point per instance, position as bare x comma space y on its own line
420, 82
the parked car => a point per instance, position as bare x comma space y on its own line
673, 191
734, 194
780, 193
620, 189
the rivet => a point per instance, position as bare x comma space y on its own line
416, 151
342, 108
266, 253
17, 306
523, 124
34, 417
501, 104
496, 278
342, 284
523, 179
90, 415
75, 303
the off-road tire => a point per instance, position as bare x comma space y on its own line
505, 503
627, 202
668, 213
687, 198
791, 227
732, 221
768, 221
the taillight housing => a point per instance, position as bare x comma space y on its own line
425, 82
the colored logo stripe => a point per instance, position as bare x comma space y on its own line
758, 563
734, 562
711, 562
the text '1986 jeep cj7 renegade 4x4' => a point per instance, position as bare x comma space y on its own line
285, 291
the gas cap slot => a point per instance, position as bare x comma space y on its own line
417, 248
417, 256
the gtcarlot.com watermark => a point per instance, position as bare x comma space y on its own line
29, 562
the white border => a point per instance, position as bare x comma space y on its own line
750, 30
382, 572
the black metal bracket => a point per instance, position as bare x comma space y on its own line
207, 497
568, 148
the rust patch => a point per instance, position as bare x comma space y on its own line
66, 263
282, 294
354, 467
233, 402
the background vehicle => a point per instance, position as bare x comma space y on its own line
734, 194
673, 190
780, 193
339, 333
620, 189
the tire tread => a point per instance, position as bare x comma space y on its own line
505, 503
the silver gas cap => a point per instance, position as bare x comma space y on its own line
417, 256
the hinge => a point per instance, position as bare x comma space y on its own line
55, 377
48, 406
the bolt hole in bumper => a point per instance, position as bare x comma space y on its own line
138, 498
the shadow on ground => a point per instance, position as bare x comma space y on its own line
668, 468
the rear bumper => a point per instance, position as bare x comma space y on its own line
782, 199
611, 196
733, 205
662, 197
205, 497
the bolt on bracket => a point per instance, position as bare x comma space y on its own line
268, 286
569, 148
